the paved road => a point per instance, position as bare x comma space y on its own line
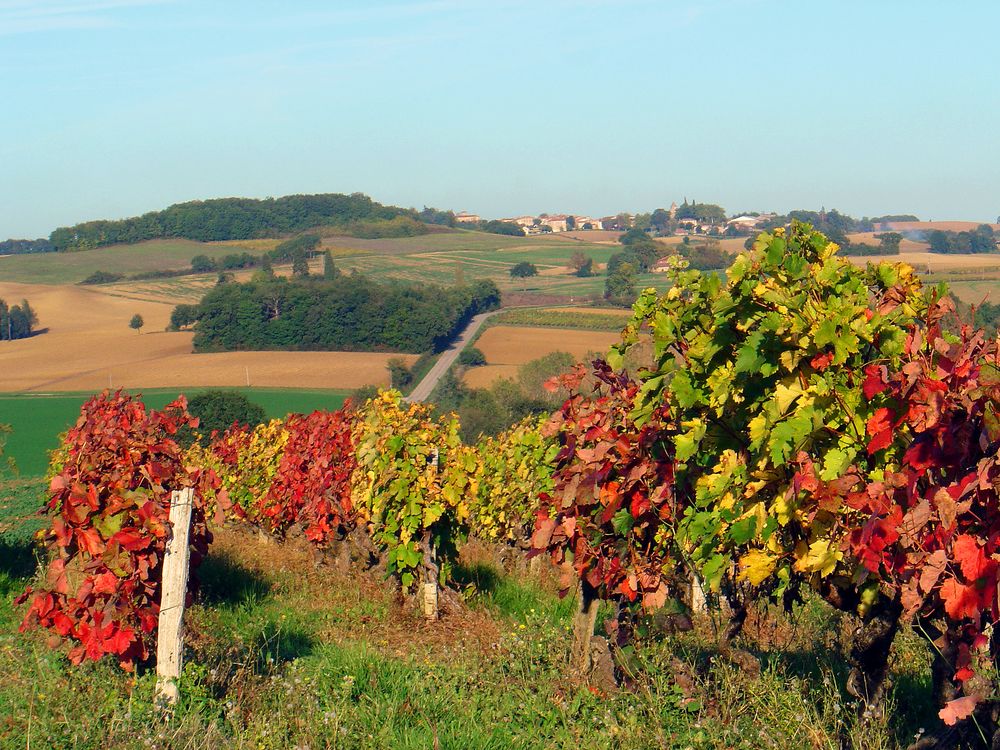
423, 390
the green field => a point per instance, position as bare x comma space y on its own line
587, 321
70, 268
37, 420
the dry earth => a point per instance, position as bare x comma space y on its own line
89, 346
599, 236
508, 347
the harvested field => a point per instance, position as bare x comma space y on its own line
600, 236
937, 262
508, 347
484, 377
89, 345
731, 245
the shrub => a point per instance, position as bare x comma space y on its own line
103, 277
472, 357
217, 411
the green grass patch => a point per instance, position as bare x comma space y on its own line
71, 268
561, 319
284, 656
37, 419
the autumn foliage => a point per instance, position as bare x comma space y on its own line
610, 513
805, 423
109, 505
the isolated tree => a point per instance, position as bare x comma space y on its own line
570, 223
4, 321
889, 242
523, 270
582, 264
620, 284
329, 269
472, 356
136, 323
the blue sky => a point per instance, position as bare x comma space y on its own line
116, 107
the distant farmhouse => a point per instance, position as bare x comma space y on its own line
464, 218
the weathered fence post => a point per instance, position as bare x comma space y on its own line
429, 582
699, 603
173, 592
583, 628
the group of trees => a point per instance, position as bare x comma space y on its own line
982, 239
495, 226
639, 256
23, 247
490, 411
888, 244
17, 321
230, 219
340, 313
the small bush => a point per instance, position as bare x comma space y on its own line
103, 277
219, 410
472, 357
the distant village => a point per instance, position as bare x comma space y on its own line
677, 220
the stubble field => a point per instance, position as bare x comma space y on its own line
88, 346
508, 347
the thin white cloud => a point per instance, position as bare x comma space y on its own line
24, 17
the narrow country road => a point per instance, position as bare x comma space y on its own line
447, 358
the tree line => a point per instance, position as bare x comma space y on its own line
23, 247
982, 239
337, 313
17, 321
230, 219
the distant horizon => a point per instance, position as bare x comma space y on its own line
487, 216
119, 107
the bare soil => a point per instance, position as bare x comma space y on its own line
89, 346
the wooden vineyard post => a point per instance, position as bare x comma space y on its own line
583, 628
429, 577
170, 632
699, 604
429, 583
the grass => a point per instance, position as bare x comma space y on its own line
561, 319
282, 654
37, 420
70, 268
436, 258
